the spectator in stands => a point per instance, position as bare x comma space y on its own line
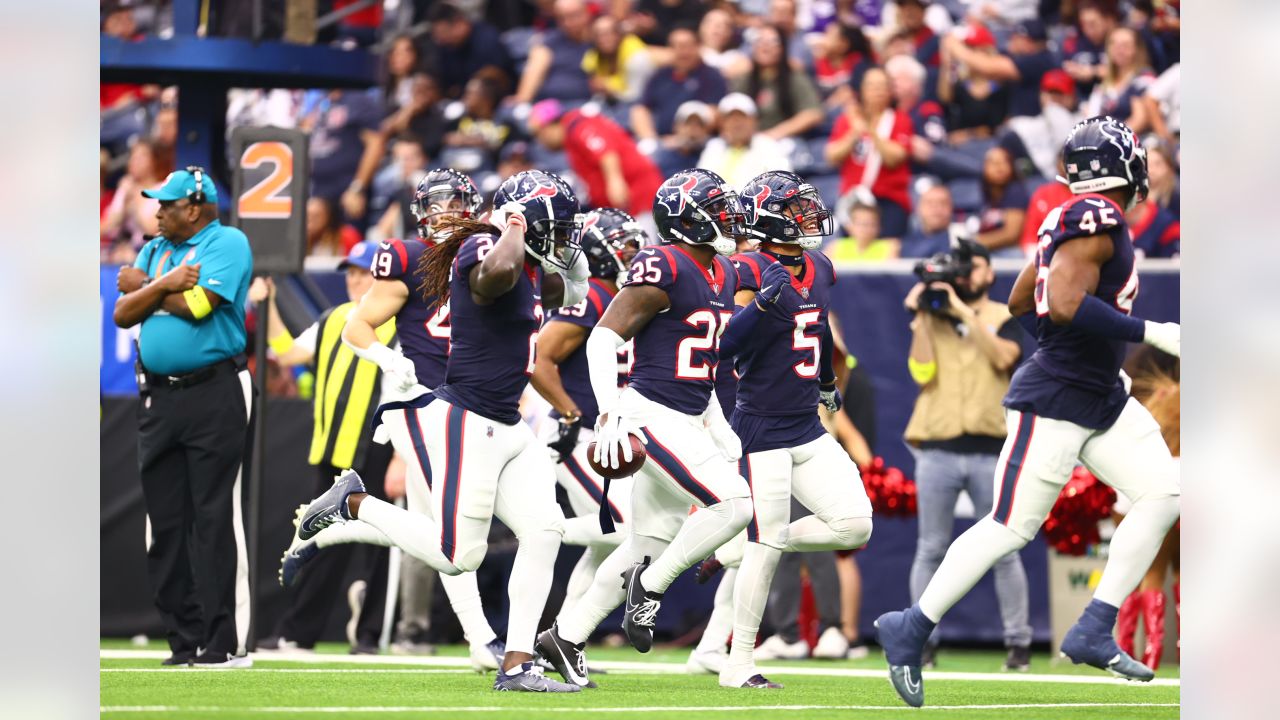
788, 101
346, 148
393, 189
931, 233
327, 235
476, 137
739, 153
924, 42
1086, 52
688, 78
928, 121
863, 242
164, 129
130, 217
784, 18
976, 104
1124, 82
601, 153
618, 65
1046, 197
719, 40
1028, 60
1036, 142
464, 46
423, 117
402, 61
513, 159
652, 20
554, 68
1155, 231
844, 54
870, 143
1162, 173
1164, 104
1004, 204
681, 150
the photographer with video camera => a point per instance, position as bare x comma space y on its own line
964, 347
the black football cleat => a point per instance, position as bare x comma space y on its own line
641, 609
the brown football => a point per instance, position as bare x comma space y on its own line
628, 468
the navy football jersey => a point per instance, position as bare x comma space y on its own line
574, 374
676, 354
1074, 375
492, 345
777, 404
424, 335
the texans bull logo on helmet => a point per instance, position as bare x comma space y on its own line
674, 197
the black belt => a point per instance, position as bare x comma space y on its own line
197, 376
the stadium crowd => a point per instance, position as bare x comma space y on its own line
908, 115
917, 120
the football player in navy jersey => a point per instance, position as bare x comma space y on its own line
1070, 404
674, 303
483, 460
781, 344
424, 334
610, 238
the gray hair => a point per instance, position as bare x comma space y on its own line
906, 65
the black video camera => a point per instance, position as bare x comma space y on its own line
947, 267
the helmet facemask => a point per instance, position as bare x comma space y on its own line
555, 242
724, 214
803, 219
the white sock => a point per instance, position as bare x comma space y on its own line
1134, 546
605, 594
702, 532
751, 591
352, 531
584, 572
464, 598
967, 560
413, 532
531, 575
720, 624
810, 534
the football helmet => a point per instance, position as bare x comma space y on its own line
435, 197
607, 234
552, 220
1102, 153
782, 207
697, 206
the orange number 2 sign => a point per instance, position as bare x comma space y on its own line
270, 197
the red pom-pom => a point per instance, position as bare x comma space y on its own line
890, 492
1072, 525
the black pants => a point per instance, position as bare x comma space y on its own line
320, 586
190, 445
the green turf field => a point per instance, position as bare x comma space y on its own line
133, 685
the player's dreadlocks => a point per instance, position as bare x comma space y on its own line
435, 263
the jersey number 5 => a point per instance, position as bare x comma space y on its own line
806, 343
712, 325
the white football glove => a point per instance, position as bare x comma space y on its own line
611, 434
511, 213
401, 374
1164, 336
722, 434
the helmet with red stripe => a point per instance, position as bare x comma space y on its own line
782, 207
697, 206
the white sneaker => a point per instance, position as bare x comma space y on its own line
775, 648
701, 662
832, 645
487, 657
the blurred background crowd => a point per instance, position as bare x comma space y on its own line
914, 118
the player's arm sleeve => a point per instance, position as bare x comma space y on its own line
827, 345
602, 366
738, 334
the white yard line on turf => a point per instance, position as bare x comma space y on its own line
380, 671
682, 709
664, 668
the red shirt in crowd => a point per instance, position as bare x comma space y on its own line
1043, 201
588, 138
890, 183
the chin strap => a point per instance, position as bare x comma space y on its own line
788, 260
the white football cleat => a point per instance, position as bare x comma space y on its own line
703, 662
